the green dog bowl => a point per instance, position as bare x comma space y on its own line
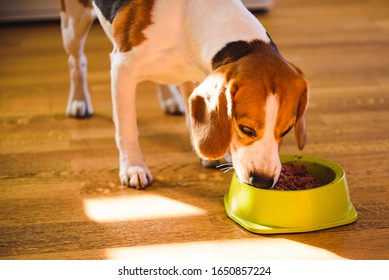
267, 211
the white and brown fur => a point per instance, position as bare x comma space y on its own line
248, 98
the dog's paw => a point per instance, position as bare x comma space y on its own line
172, 107
170, 100
136, 177
79, 109
211, 163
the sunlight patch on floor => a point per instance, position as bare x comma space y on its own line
139, 207
255, 248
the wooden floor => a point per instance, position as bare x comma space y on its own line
60, 197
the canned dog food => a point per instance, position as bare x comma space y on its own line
295, 177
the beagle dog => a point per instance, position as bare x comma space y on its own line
248, 99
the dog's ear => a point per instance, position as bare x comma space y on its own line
299, 128
298, 70
210, 108
303, 88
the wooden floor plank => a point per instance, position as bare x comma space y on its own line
52, 168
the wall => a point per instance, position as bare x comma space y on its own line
16, 10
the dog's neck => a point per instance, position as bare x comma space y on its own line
239, 25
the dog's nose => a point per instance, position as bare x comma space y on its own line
261, 181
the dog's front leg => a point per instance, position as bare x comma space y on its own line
133, 170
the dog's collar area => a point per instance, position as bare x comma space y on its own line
233, 51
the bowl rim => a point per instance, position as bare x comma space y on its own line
335, 167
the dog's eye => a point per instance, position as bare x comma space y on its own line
286, 131
248, 131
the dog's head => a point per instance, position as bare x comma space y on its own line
248, 105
